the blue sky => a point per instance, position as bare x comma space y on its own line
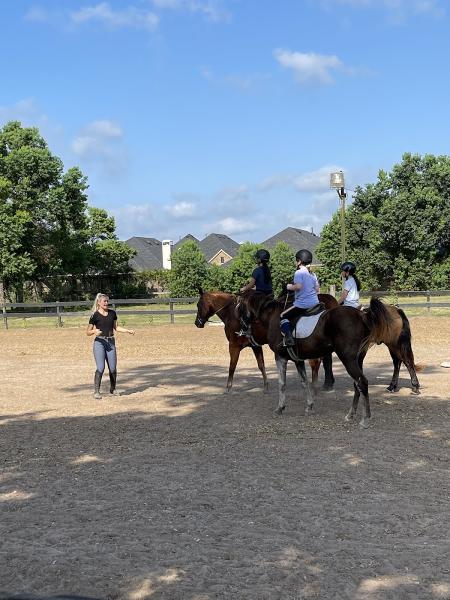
227, 116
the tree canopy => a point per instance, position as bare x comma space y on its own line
189, 270
398, 229
46, 227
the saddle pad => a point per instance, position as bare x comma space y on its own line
305, 325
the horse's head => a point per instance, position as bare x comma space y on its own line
205, 309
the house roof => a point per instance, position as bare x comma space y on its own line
297, 239
186, 238
149, 253
214, 242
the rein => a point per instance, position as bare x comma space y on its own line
222, 307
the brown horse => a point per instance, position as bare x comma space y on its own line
397, 339
224, 305
343, 330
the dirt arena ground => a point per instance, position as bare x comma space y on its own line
176, 490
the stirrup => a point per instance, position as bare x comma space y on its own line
243, 333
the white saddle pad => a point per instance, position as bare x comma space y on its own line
305, 325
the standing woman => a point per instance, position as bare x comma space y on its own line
103, 324
350, 292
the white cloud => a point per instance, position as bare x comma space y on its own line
309, 68
398, 9
37, 14
309, 182
182, 209
101, 142
116, 19
230, 226
211, 9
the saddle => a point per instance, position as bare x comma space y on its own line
305, 325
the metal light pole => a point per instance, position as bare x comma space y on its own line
337, 182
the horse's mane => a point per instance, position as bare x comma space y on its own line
258, 302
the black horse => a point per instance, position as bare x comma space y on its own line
343, 330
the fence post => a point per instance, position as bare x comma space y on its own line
5, 317
428, 302
58, 314
172, 316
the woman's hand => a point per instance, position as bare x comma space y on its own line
96, 331
290, 287
130, 331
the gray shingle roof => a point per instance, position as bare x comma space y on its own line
149, 253
186, 238
214, 242
297, 239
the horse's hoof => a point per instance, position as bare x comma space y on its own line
349, 416
416, 392
309, 411
279, 410
392, 389
266, 389
365, 423
327, 388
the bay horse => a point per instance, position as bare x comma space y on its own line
343, 330
224, 305
397, 338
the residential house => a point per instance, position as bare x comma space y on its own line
297, 239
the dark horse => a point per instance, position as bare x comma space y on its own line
343, 330
224, 305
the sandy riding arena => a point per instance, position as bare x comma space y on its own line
176, 490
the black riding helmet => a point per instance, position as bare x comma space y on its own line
262, 255
348, 267
305, 256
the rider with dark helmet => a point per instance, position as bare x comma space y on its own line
260, 281
306, 289
351, 287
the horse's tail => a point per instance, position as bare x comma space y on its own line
379, 321
404, 342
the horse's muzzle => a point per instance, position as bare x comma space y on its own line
199, 323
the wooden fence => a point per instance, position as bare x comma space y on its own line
58, 310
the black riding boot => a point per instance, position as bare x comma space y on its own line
97, 383
112, 380
286, 331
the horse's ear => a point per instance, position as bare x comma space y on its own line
200, 291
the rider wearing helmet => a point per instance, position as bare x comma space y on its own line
260, 281
306, 288
351, 287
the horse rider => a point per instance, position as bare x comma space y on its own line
260, 281
351, 287
306, 288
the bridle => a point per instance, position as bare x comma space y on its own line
216, 312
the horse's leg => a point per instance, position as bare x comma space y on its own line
281, 368
393, 386
314, 363
354, 369
234, 350
407, 357
259, 355
327, 362
309, 397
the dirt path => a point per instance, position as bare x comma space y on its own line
178, 491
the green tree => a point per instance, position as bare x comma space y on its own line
241, 268
216, 278
106, 254
398, 229
45, 226
282, 266
189, 270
